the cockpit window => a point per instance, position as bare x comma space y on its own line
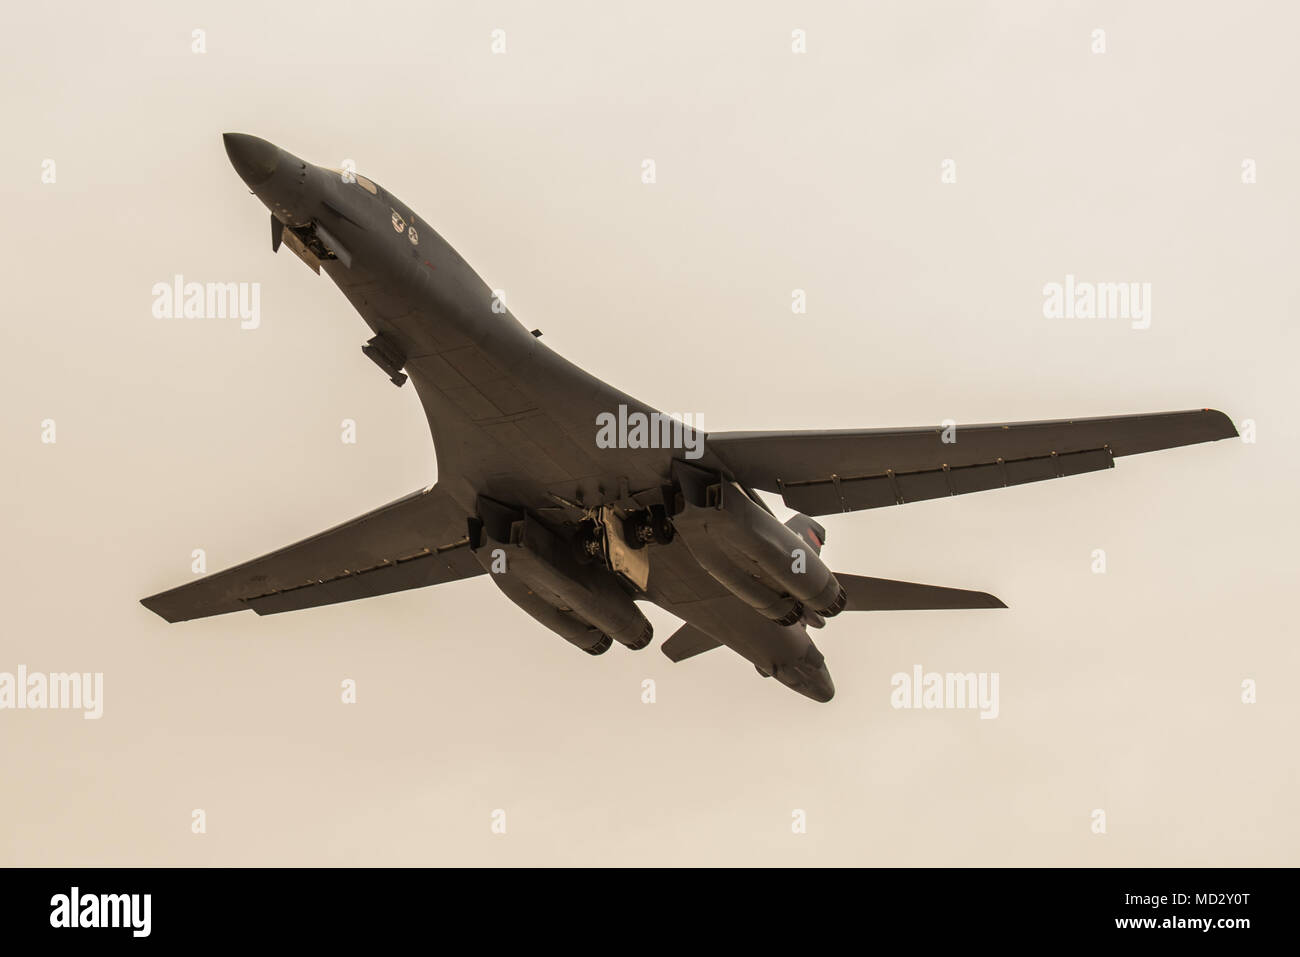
360, 181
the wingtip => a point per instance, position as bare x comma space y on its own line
1225, 428
152, 604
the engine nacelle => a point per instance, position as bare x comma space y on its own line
750, 553
536, 568
564, 623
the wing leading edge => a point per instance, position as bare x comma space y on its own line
843, 471
415, 541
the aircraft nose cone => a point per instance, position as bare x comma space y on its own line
254, 159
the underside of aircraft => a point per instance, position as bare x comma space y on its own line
576, 531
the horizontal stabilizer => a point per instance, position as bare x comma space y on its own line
884, 594
687, 642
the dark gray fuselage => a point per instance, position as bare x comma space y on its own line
510, 419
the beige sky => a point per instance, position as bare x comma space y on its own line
775, 171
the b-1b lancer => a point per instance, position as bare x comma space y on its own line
576, 528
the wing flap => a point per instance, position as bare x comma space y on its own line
450, 564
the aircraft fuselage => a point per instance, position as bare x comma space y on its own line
512, 421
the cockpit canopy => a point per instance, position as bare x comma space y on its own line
352, 176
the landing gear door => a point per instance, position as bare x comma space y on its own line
632, 563
299, 249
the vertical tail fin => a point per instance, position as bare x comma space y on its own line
809, 530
